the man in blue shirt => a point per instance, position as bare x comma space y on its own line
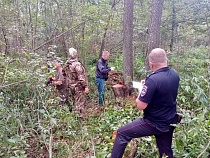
102, 70
157, 99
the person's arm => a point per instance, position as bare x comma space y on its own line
103, 69
140, 104
86, 90
59, 80
146, 94
82, 77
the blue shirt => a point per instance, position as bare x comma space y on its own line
160, 92
102, 69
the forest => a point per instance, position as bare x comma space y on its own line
33, 33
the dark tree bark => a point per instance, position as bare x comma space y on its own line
127, 40
154, 28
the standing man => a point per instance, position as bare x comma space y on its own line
77, 81
102, 70
60, 83
158, 102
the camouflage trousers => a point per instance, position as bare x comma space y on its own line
79, 100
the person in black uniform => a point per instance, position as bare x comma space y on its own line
157, 99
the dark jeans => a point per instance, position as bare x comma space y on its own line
101, 86
140, 128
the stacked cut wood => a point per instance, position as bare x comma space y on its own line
119, 87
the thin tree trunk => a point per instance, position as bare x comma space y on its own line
154, 28
35, 27
173, 25
104, 37
127, 40
17, 29
31, 26
106, 28
4, 32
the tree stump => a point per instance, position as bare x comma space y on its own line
118, 90
121, 91
119, 87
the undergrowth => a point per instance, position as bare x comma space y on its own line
33, 124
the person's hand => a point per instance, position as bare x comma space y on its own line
86, 90
57, 82
142, 82
112, 68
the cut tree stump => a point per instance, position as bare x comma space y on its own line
118, 90
119, 87
121, 91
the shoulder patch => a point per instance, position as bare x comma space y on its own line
143, 91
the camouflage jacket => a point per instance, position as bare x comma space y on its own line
75, 74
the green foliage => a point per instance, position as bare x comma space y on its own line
139, 68
32, 122
194, 85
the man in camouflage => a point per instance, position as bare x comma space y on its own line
60, 83
77, 81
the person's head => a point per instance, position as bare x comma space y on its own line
72, 53
105, 55
57, 64
157, 59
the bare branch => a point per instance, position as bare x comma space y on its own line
12, 84
59, 35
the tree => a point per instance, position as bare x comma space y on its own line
154, 28
127, 40
173, 25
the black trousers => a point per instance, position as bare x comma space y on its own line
140, 128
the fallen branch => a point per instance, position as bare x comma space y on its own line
12, 84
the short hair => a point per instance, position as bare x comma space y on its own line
57, 63
72, 53
158, 55
105, 52
58, 60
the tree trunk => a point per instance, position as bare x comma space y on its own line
104, 36
127, 40
106, 28
17, 36
173, 25
154, 28
4, 33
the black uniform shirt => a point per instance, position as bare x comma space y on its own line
160, 92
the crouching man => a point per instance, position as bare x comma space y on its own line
61, 85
